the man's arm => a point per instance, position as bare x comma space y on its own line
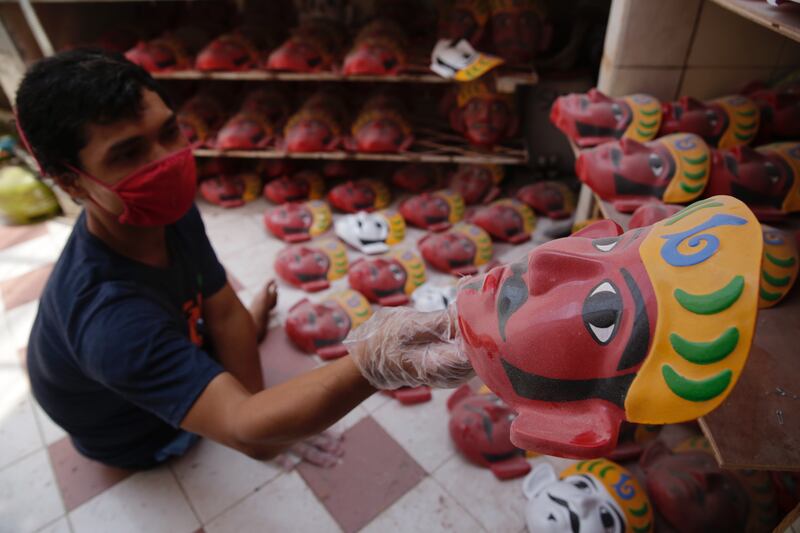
264, 424
233, 333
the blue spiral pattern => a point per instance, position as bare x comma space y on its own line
673, 256
624, 489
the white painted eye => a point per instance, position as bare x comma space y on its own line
605, 245
602, 310
604, 287
602, 334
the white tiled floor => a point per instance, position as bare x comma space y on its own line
19, 434
497, 509
29, 498
215, 477
284, 504
426, 507
420, 429
149, 501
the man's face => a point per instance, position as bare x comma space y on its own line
114, 151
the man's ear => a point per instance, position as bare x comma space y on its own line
69, 182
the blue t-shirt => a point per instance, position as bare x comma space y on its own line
116, 355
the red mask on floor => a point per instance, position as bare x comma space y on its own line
417, 177
158, 194
381, 280
477, 184
506, 220
480, 426
321, 327
303, 185
458, 251
359, 195
552, 199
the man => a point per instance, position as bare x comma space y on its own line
140, 343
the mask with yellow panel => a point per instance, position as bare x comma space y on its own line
652, 326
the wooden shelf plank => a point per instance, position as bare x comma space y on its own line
506, 83
784, 19
757, 425
339, 155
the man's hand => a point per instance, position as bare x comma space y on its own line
401, 347
323, 450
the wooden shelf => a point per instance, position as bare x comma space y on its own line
507, 82
784, 19
432, 144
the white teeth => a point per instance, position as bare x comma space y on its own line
606, 247
602, 334
604, 287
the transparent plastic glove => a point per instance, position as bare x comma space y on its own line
402, 347
323, 450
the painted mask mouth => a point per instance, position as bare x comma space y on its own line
230, 197
383, 293
497, 457
365, 242
305, 278
323, 343
591, 130
362, 205
458, 263
292, 230
435, 219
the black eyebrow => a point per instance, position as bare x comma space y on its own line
574, 521
589, 479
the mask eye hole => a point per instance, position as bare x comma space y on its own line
616, 111
772, 172
712, 118
607, 519
656, 164
605, 245
602, 311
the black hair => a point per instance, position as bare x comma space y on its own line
61, 94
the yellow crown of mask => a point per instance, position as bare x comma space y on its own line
703, 263
454, 201
479, 88
481, 239
382, 196
321, 217
337, 254
645, 117
778, 267
396, 224
692, 159
414, 267
743, 120
789, 152
525, 212
622, 486
355, 305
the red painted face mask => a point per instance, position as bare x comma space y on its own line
158, 194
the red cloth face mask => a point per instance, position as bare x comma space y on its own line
159, 193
